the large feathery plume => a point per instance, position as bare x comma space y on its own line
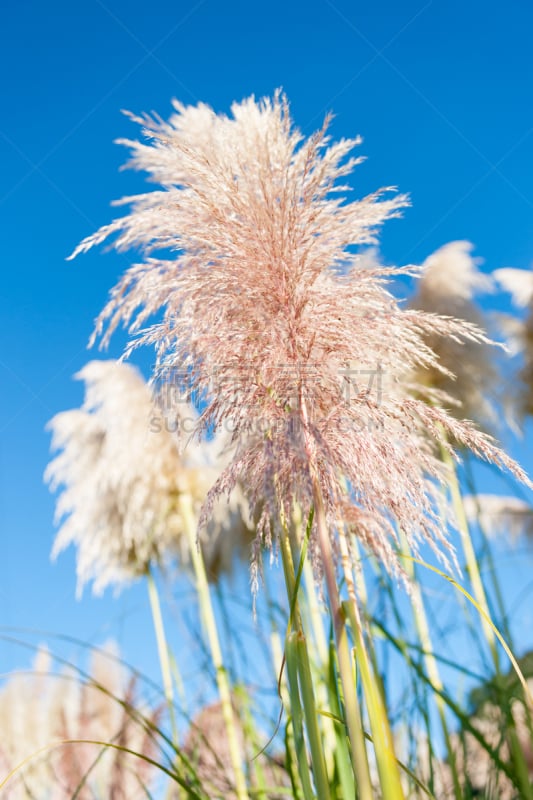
467, 372
123, 468
251, 266
41, 709
519, 283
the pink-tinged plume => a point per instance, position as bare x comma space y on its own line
251, 269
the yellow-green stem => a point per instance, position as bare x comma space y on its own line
481, 598
351, 704
316, 626
208, 618
422, 629
163, 652
278, 661
314, 613
389, 773
504, 622
470, 555
316, 742
304, 686
297, 716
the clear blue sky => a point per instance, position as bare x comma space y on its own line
441, 92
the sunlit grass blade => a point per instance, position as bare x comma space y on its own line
342, 751
310, 711
485, 616
379, 723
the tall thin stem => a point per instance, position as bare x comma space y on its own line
432, 667
210, 626
320, 645
163, 652
472, 565
301, 683
353, 713
383, 744
481, 598
504, 621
